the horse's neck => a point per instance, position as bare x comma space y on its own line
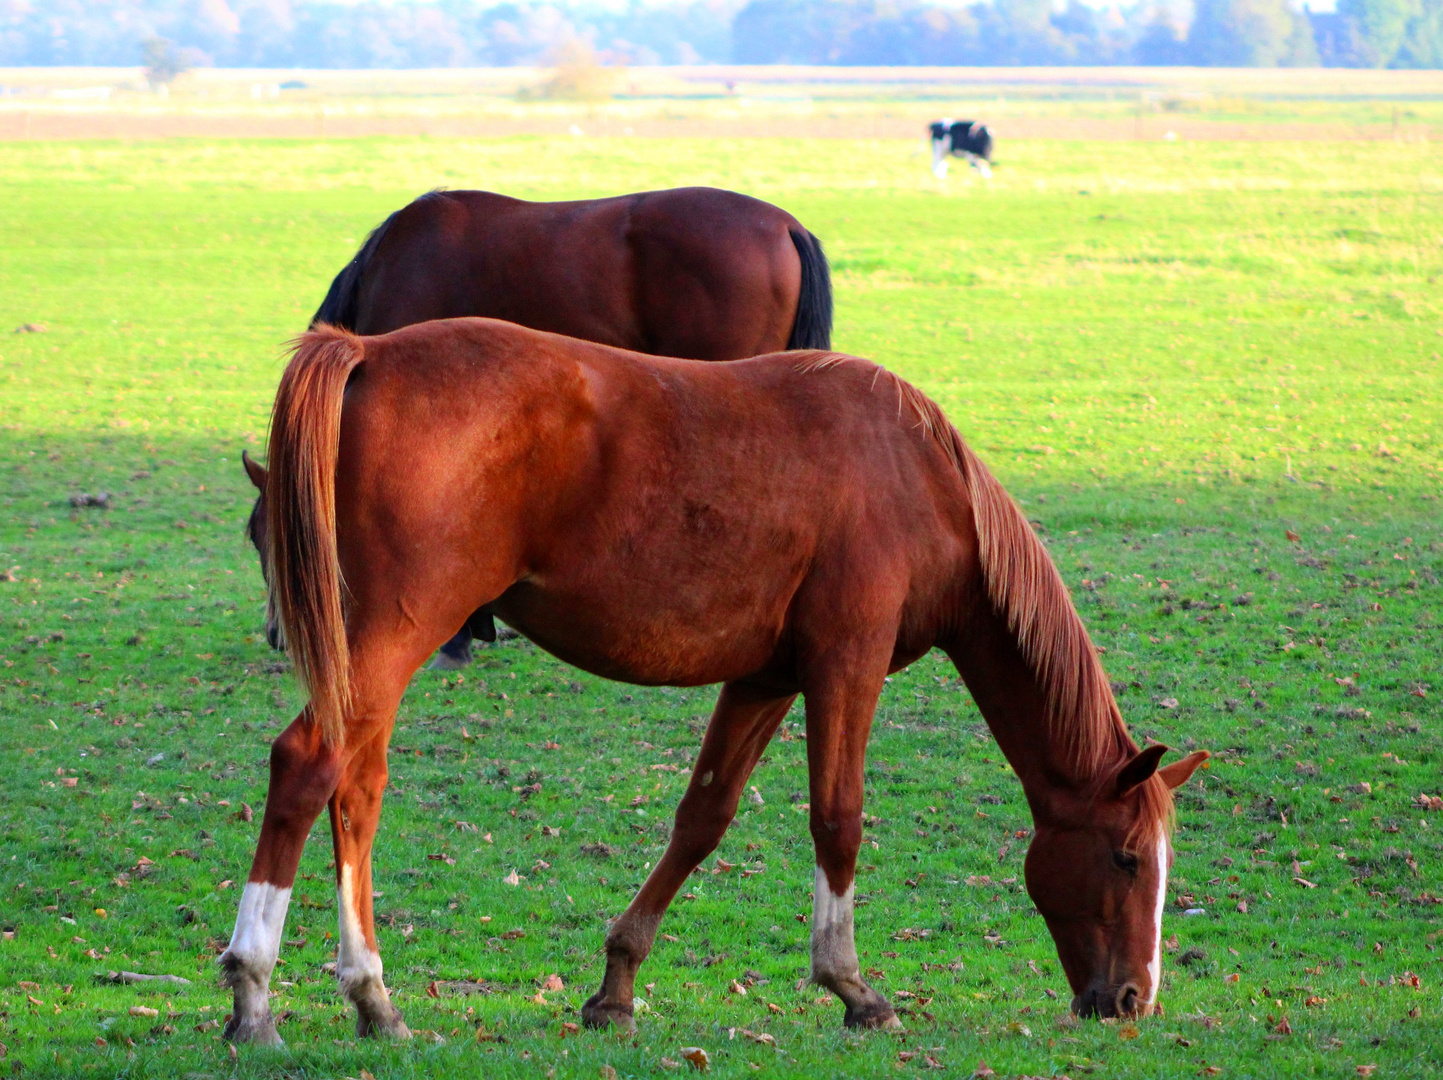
1014, 703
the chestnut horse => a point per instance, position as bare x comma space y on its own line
800, 523
694, 272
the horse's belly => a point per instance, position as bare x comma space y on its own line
647, 639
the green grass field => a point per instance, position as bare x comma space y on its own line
1175, 354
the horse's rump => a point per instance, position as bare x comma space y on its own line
695, 272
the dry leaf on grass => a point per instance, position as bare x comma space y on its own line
553, 984
696, 1057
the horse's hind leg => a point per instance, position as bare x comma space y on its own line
841, 698
303, 775
740, 728
355, 813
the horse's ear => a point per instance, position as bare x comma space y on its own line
255, 470
1139, 768
1176, 774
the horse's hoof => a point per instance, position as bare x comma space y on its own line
447, 662
873, 1016
599, 1014
258, 1030
378, 1024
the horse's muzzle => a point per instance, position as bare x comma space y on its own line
1111, 1001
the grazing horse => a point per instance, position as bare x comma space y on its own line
800, 523
693, 272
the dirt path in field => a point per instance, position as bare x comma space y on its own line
40, 124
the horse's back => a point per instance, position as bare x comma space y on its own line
695, 272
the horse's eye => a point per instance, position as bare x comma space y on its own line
1124, 860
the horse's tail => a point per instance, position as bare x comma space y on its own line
812, 328
304, 571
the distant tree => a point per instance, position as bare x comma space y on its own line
1250, 33
1162, 43
1380, 27
1423, 43
162, 62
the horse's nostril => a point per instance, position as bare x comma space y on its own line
1127, 998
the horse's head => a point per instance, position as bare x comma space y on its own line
256, 532
1097, 871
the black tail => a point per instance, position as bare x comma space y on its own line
812, 328
339, 307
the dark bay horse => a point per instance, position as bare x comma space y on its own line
693, 272
800, 523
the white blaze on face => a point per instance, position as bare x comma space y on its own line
1154, 966
356, 962
259, 924
834, 950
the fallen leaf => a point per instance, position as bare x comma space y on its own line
1283, 1027
512, 878
608, 1073
668, 1063
433, 990
553, 984
1294, 537
1234, 977
1315, 1002
568, 1028
737, 988
1305, 883
143, 1010
1127, 1031
1366, 1070
696, 1057
1168, 703
982, 1072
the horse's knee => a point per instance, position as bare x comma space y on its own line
695, 836
304, 771
836, 831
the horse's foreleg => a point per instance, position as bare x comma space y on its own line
839, 718
740, 729
303, 775
355, 813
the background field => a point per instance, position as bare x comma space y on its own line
1172, 355
728, 101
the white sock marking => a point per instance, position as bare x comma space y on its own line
259, 924
356, 962
1154, 967
834, 950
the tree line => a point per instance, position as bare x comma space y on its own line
465, 33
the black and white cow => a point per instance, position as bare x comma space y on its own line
961, 138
